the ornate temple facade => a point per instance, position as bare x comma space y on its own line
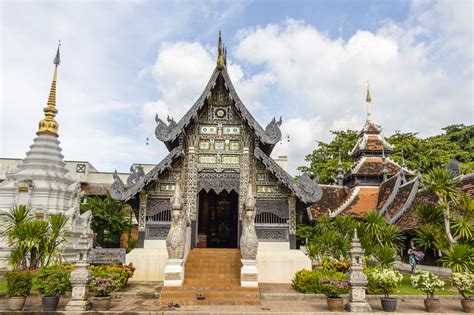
42, 182
216, 150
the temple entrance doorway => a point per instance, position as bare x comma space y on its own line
218, 219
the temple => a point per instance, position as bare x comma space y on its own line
217, 152
374, 181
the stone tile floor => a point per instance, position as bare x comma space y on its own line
144, 297
132, 305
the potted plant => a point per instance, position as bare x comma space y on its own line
52, 282
103, 286
428, 283
464, 282
332, 286
386, 280
18, 287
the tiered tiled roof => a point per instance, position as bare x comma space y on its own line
401, 199
371, 140
373, 165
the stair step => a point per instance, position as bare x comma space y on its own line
214, 272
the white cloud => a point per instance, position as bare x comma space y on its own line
413, 85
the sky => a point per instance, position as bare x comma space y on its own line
307, 61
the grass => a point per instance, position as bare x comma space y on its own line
406, 288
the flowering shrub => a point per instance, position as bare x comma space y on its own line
464, 282
334, 284
103, 286
427, 282
119, 272
385, 279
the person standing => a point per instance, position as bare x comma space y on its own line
412, 257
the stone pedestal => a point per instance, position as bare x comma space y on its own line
79, 278
174, 273
357, 280
249, 273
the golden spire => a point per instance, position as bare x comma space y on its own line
368, 98
48, 125
220, 55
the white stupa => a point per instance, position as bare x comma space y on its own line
42, 182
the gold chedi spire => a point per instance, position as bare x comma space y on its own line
220, 54
48, 125
368, 98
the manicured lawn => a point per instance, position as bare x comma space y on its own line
3, 283
406, 288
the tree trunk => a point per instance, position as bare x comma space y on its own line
447, 225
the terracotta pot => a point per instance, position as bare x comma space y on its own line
335, 304
432, 305
50, 303
102, 303
468, 305
389, 304
15, 303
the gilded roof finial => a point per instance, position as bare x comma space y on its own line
48, 125
220, 55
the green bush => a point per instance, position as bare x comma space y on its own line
53, 281
19, 283
372, 287
306, 281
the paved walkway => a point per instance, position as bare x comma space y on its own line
444, 272
316, 306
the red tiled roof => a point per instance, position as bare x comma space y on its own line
386, 189
332, 198
365, 200
374, 166
400, 199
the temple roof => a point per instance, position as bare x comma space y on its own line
371, 140
306, 190
373, 166
169, 133
119, 191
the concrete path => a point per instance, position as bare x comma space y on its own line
444, 272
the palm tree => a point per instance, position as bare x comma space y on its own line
443, 183
374, 225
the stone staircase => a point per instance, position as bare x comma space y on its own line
215, 274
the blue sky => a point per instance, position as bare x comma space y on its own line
308, 61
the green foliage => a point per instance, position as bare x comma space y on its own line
324, 159
303, 233
428, 153
333, 265
19, 283
108, 216
458, 257
34, 243
428, 213
120, 273
385, 256
329, 282
306, 281
430, 236
53, 281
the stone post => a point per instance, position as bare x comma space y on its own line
357, 280
81, 275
